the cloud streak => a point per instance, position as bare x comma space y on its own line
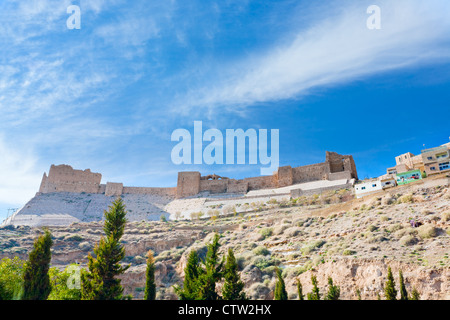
337, 49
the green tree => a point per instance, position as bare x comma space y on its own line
150, 286
233, 286
280, 287
358, 293
60, 280
212, 272
403, 292
300, 290
11, 278
414, 294
192, 272
389, 289
100, 282
315, 294
333, 291
36, 279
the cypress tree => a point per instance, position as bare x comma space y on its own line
333, 291
403, 292
280, 288
150, 287
233, 286
358, 293
212, 272
100, 282
389, 289
192, 272
36, 279
414, 294
300, 290
315, 294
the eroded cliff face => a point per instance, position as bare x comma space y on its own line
369, 276
354, 242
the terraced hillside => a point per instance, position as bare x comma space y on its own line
351, 240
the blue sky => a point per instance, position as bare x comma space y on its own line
108, 96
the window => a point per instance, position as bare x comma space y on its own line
430, 158
442, 155
444, 166
363, 188
374, 186
432, 168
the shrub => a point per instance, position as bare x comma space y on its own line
426, 212
395, 227
404, 232
408, 240
407, 198
427, 231
348, 252
84, 246
280, 229
74, 237
445, 216
266, 232
293, 231
311, 246
258, 291
261, 251
372, 228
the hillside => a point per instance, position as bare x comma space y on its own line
351, 240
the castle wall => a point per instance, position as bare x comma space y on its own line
284, 176
188, 184
165, 192
214, 186
113, 189
237, 186
264, 182
311, 172
64, 178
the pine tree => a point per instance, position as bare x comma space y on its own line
212, 272
300, 290
192, 272
280, 288
150, 287
100, 282
389, 290
315, 294
233, 286
414, 294
333, 291
403, 292
36, 279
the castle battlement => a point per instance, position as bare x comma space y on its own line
63, 178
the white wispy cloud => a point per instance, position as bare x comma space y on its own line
333, 50
20, 177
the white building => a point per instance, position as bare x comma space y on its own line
375, 185
367, 187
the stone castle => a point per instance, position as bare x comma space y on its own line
69, 196
64, 178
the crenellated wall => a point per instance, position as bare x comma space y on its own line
64, 178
